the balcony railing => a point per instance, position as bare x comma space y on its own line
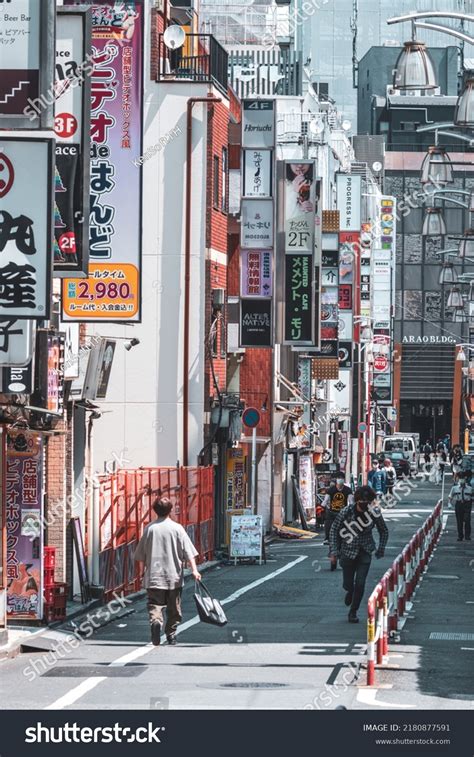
201, 59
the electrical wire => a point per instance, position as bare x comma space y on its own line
210, 355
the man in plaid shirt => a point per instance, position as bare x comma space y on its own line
351, 541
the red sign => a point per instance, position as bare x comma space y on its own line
65, 125
345, 296
380, 363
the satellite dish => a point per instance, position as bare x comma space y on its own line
316, 125
347, 125
377, 166
174, 36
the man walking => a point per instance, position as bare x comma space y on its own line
351, 541
337, 497
377, 479
164, 548
461, 495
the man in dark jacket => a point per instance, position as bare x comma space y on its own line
351, 541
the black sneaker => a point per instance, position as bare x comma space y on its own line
348, 599
326, 542
155, 636
460, 538
172, 640
352, 618
468, 538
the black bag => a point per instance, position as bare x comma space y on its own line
209, 609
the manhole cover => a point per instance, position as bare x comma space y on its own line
256, 685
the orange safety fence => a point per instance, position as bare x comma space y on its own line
125, 509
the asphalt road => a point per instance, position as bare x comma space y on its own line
287, 645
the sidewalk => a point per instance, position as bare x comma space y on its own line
436, 653
76, 613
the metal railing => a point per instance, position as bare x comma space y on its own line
201, 59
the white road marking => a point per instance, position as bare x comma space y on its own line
74, 694
90, 683
467, 649
368, 696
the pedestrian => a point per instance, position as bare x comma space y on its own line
455, 458
352, 542
337, 497
391, 475
461, 494
427, 450
377, 479
164, 548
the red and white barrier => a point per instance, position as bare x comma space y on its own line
387, 604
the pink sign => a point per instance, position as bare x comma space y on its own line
256, 273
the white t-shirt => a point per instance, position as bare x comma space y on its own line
164, 548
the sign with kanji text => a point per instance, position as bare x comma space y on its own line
256, 225
113, 283
299, 300
258, 173
26, 213
256, 273
16, 342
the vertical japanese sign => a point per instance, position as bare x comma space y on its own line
49, 371
235, 479
26, 206
258, 165
301, 205
72, 175
383, 264
256, 273
27, 64
24, 515
299, 315
16, 342
329, 303
304, 386
112, 289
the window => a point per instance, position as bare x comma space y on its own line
225, 171
215, 193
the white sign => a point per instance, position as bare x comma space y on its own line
258, 173
340, 393
26, 186
246, 534
69, 54
256, 225
16, 342
348, 201
258, 123
71, 350
306, 481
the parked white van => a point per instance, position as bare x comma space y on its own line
407, 443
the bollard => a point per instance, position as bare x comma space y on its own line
371, 644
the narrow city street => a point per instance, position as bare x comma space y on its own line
287, 645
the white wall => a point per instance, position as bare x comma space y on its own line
142, 416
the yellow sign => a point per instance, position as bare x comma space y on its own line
111, 291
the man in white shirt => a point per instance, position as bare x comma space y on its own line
164, 548
461, 495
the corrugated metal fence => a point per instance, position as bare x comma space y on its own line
125, 509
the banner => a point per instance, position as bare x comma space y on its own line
299, 314
72, 108
112, 290
256, 273
349, 201
26, 183
24, 516
235, 479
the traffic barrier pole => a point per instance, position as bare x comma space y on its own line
371, 643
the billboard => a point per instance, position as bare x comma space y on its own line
27, 64
49, 372
302, 203
16, 342
111, 292
256, 273
26, 209
24, 519
72, 116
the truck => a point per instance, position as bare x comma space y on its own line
407, 442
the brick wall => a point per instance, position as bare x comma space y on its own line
217, 140
157, 27
256, 385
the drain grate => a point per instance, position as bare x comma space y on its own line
91, 671
437, 636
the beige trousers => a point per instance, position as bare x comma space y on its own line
159, 600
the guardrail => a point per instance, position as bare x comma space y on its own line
387, 604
